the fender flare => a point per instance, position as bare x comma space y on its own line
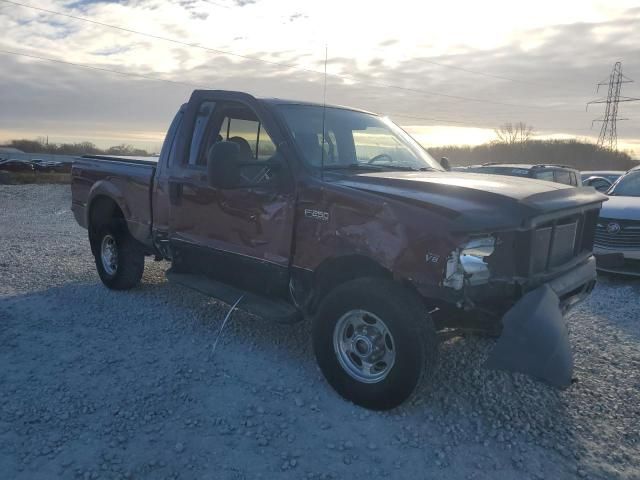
107, 189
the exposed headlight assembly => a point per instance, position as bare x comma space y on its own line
467, 263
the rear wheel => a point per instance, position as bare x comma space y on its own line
374, 342
119, 258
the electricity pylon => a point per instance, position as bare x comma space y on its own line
608, 132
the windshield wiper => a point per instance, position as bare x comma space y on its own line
367, 166
352, 166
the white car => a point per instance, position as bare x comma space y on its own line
617, 238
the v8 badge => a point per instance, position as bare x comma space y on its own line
432, 258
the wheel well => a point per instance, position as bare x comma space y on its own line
102, 211
339, 270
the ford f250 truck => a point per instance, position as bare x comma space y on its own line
337, 215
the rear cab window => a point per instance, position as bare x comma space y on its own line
563, 176
545, 175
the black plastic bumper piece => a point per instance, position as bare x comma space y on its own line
534, 339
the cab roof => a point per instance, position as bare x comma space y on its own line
273, 101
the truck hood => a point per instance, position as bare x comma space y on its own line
621, 208
476, 201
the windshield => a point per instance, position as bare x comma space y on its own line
612, 177
353, 140
627, 186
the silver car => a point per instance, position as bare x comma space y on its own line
617, 237
601, 180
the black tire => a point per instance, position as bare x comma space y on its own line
415, 341
130, 258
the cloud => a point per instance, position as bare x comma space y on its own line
556, 67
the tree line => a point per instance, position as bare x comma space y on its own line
580, 155
514, 144
81, 148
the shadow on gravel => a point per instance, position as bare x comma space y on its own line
618, 301
463, 404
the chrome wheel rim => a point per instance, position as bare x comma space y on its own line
109, 254
364, 346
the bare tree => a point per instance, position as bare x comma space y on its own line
513, 134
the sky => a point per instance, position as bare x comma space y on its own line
448, 72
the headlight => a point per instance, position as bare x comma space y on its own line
467, 263
479, 247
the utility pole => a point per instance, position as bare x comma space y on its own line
608, 137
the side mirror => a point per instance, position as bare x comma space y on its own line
444, 161
223, 165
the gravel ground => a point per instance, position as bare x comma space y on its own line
102, 384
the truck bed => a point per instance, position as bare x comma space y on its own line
126, 180
125, 159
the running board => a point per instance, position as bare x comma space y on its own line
277, 311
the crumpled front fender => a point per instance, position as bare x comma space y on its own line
535, 340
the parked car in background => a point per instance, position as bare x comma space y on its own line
46, 165
34, 165
601, 180
617, 239
552, 173
15, 165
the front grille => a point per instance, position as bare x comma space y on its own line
618, 234
563, 244
559, 241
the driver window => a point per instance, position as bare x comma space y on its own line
562, 176
253, 140
239, 124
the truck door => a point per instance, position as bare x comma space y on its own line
240, 235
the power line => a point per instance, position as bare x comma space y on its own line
216, 4
194, 85
101, 69
435, 119
186, 84
271, 62
201, 86
477, 72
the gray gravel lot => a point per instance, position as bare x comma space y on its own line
103, 384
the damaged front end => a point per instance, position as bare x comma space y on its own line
528, 305
535, 340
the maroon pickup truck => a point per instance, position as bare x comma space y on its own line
337, 215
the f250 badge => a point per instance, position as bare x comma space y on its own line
316, 214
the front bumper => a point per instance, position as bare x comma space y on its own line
575, 285
624, 262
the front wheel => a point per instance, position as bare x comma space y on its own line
119, 258
374, 342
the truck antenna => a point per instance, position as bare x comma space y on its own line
324, 111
